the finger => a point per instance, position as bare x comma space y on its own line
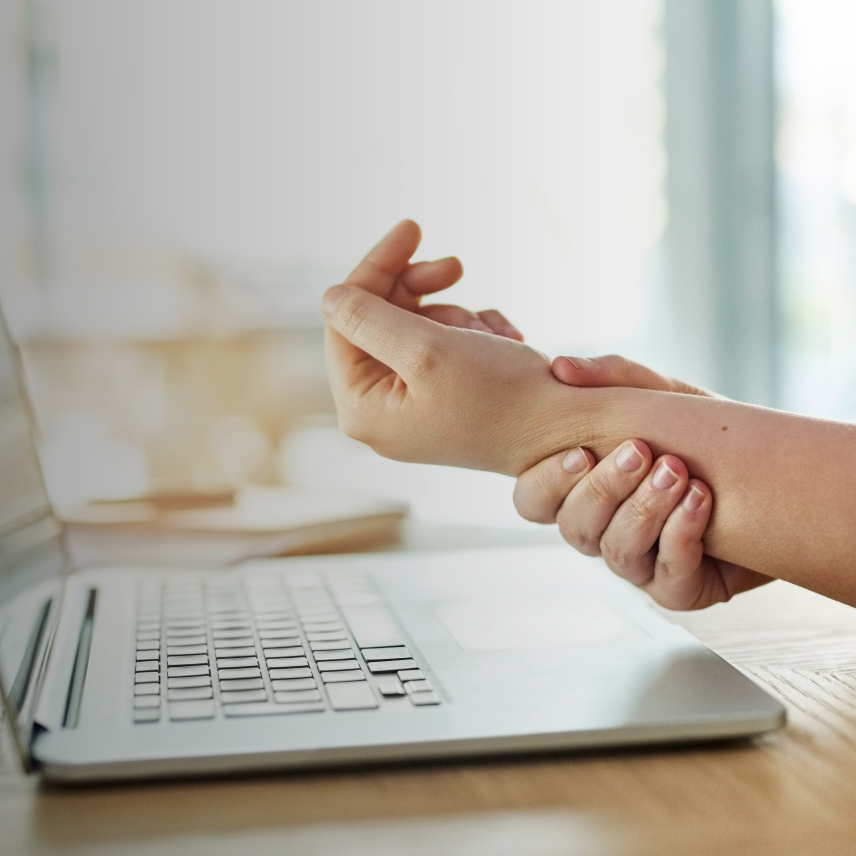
681, 577
397, 338
454, 316
627, 541
376, 274
590, 506
613, 370
541, 490
430, 277
387, 260
500, 324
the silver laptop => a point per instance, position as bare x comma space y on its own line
133, 672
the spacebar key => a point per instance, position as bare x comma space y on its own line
372, 626
267, 709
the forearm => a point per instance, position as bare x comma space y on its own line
784, 485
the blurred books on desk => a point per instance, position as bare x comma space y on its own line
219, 529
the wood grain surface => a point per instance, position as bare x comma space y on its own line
791, 792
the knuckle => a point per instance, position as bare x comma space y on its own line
581, 541
615, 555
598, 489
423, 358
531, 498
352, 311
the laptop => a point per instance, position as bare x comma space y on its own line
131, 672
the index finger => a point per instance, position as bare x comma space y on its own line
387, 260
376, 274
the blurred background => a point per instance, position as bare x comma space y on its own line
674, 180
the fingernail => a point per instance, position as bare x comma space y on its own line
583, 364
331, 299
575, 461
629, 458
511, 332
665, 477
693, 499
480, 326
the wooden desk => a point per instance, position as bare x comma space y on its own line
792, 792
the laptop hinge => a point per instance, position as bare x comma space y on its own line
81, 664
50, 712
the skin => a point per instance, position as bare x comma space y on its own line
415, 389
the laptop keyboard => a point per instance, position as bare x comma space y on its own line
298, 643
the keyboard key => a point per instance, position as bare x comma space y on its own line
236, 662
186, 634
144, 702
147, 655
173, 640
327, 636
390, 687
187, 671
278, 634
184, 629
327, 656
194, 660
243, 626
184, 710
420, 699
229, 634
243, 696
277, 651
342, 677
246, 651
190, 694
186, 650
297, 697
148, 645
238, 674
150, 715
351, 696
289, 674
418, 686
336, 666
372, 626
242, 684
287, 662
266, 624
237, 642
411, 675
259, 709
391, 666
385, 654
321, 626
185, 683
146, 689
146, 678
147, 666
294, 686
338, 645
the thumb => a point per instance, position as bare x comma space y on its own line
397, 338
613, 370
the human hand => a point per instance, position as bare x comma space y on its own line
416, 390
416, 280
613, 370
645, 518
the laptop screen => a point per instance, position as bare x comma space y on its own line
31, 553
